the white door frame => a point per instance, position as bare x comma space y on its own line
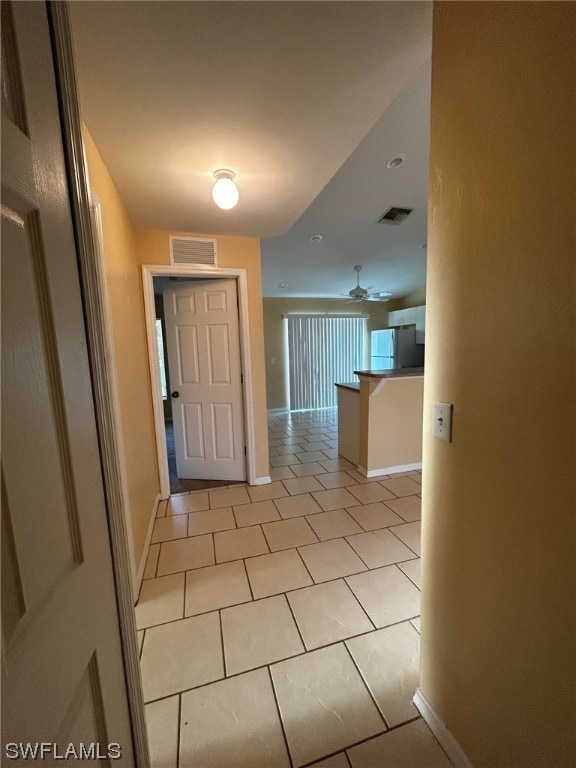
86, 243
149, 272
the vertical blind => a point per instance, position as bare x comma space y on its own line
322, 350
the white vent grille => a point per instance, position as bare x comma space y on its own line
193, 250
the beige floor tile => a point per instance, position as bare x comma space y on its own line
238, 544
416, 476
334, 524
309, 456
336, 480
270, 491
331, 560
275, 573
140, 639
151, 561
162, 725
300, 485
284, 461
210, 521
408, 507
288, 533
388, 596
402, 486
323, 703
160, 600
184, 554
258, 633
412, 570
181, 655
310, 468
190, 502
374, 516
170, 528
218, 586
336, 761
378, 548
297, 506
327, 613
368, 493
409, 533
280, 473
162, 508
331, 453
389, 662
255, 513
355, 475
292, 447
334, 499
232, 724
228, 497
416, 623
335, 465
411, 746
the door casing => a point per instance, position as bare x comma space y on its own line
149, 272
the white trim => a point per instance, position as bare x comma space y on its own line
274, 411
446, 740
149, 272
262, 480
145, 549
389, 470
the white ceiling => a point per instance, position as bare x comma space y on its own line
305, 101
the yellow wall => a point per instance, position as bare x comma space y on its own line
130, 350
498, 634
152, 247
274, 333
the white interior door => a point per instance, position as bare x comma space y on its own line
62, 671
202, 338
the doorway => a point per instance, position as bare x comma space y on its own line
191, 274
198, 351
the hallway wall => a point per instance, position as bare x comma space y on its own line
498, 520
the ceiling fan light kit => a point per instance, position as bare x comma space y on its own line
363, 294
225, 192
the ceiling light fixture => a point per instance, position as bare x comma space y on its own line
395, 161
225, 192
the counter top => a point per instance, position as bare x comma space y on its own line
391, 373
354, 385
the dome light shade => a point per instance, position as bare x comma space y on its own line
225, 192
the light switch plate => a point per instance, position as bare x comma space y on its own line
442, 427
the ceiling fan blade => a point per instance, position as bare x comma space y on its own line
378, 298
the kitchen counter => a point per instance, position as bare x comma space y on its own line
380, 420
391, 373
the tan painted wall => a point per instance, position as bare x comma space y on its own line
152, 247
498, 634
274, 334
130, 351
390, 422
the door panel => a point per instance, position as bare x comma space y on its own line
202, 337
62, 669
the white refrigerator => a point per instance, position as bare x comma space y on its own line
395, 348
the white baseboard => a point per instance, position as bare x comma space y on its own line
142, 563
445, 738
389, 470
262, 480
276, 411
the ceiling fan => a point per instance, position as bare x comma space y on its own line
363, 294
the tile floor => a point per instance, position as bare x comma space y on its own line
279, 624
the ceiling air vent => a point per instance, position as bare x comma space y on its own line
193, 250
395, 215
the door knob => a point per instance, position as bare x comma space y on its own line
175, 394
